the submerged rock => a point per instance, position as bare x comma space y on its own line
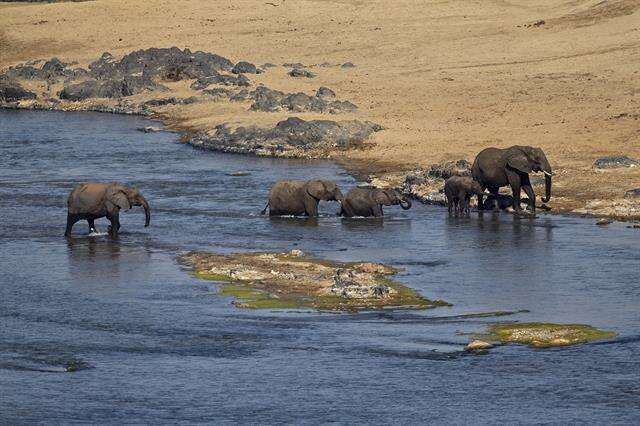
545, 335
478, 345
290, 280
293, 137
615, 162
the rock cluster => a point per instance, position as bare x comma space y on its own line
293, 137
12, 91
615, 162
269, 100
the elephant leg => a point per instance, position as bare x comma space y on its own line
516, 185
71, 220
377, 211
310, 206
92, 225
495, 192
115, 224
526, 186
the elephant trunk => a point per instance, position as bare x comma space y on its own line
338, 196
547, 187
147, 211
405, 203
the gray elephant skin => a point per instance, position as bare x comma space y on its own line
368, 202
494, 168
300, 198
458, 190
91, 201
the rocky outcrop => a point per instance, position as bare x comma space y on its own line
293, 280
293, 137
323, 101
109, 88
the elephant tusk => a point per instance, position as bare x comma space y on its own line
547, 173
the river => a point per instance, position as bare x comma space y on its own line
152, 344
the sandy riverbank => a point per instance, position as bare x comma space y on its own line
445, 79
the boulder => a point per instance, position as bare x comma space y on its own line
615, 162
244, 67
325, 93
347, 65
478, 345
632, 193
12, 91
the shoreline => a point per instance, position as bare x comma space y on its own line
361, 170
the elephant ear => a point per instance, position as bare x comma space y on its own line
381, 197
119, 198
316, 189
519, 161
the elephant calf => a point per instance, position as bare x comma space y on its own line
299, 198
91, 201
458, 190
368, 202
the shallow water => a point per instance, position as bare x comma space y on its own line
151, 343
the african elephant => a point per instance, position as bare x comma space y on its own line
91, 201
299, 198
369, 201
494, 168
458, 190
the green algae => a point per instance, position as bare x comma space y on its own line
546, 335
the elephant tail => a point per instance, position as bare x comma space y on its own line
265, 208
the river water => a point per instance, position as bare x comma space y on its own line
153, 344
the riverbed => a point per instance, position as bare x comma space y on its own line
150, 343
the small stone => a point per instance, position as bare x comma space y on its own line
296, 253
149, 129
604, 221
297, 72
325, 92
477, 345
347, 65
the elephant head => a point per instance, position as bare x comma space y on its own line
390, 197
527, 159
325, 190
125, 197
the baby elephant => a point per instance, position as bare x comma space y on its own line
299, 198
459, 190
369, 201
90, 201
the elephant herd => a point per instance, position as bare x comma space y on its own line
492, 169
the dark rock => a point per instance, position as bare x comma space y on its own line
297, 72
161, 101
347, 65
166, 63
112, 88
190, 100
54, 68
269, 100
11, 90
604, 221
239, 96
615, 162
223, 79
293, 137
325, 92
267, 66
632, 193
243, 67
25, 72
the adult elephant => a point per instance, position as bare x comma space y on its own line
300, 198
91, 201
368, 202
494, 168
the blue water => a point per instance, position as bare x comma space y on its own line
154, 345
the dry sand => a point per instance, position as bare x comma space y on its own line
445, 78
